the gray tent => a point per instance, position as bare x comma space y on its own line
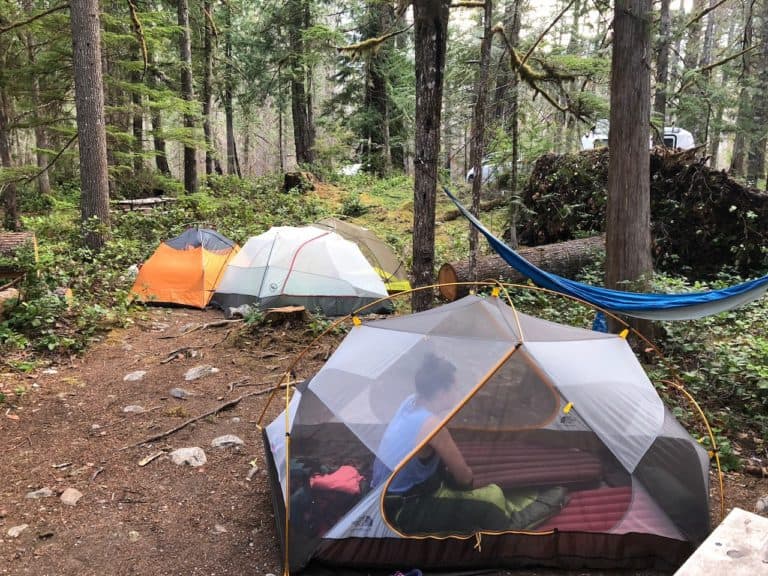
539, 406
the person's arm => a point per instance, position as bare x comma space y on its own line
451, 456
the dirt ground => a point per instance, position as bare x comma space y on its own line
65, 426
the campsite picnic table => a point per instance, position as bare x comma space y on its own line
143, 203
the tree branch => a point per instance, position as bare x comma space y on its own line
711, 66
703, 13
371, 44
546, 31
139, 31
33, 18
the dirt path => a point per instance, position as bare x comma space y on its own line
68, 428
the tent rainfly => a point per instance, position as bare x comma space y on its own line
583, 465
184, 270
376, 251
303, 266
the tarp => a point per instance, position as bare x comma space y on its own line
686, 306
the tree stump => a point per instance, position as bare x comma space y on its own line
7, 297
563, 258
11, 243
302, 180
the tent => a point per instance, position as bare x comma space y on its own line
540, 408
301, 266
376, 251
184, 270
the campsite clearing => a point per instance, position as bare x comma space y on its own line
67, 429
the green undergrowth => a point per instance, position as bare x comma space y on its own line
721, 360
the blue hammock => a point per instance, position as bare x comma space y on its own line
685, 306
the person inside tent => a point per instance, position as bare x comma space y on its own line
434, 492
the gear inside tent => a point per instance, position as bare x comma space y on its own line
376, 251
185, 270
575, 461
301, 266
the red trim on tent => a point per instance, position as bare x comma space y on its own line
295, 255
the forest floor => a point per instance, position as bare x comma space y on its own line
66, 426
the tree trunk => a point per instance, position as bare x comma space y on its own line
138, 125
11, 218
207, 76
188, 94
758, 135
431, 37
89, 103
564, 258
744, 112
478, 128
377, 99
662, 73
717, 121
161, 155
303, 130
233, 166
628, 223
41, 136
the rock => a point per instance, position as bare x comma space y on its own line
180, 393
219, 529
199, 372
235, 420
133, 409
238, 311
42, 493
3, 513
70, 496
134, 376
226, 441
50, 371
193, 456
133, 536
15, 531
761, 507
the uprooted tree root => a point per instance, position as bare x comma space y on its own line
701, 218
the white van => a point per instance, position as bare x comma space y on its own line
674, 137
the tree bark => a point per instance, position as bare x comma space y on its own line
207, 76
89, 103
188, 94
233, 166
431, 37
41, 137
564, 258
758, 135
303, 129
158, 142
662, 72
11, 217
628, 222
478, 128
138, 125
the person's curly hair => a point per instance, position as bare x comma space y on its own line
434, 374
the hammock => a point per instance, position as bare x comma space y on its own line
686, 306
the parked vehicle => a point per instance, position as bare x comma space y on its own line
674, 137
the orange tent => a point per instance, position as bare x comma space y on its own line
185, 270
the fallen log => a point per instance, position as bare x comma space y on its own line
563, 258
11, 245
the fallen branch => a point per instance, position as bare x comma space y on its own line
759, 471
222, 407
217, 324
173, 355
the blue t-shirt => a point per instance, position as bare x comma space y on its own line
400, 437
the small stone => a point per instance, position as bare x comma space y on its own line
35, 386
133, 409
226, 441
134, 376
3, 513
199, 372
50, 371
761, 506
70, 496
133, 536
219, 529
235, 420
180, 393
42, 493
193, 456
15, 531
95, 427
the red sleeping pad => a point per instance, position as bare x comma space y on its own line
519, 465
592, 510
